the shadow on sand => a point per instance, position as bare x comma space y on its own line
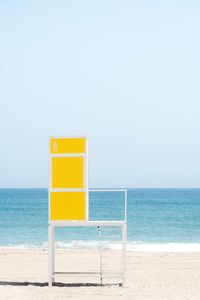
57, 284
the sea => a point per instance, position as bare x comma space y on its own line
157, 220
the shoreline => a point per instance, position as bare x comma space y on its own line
131, 247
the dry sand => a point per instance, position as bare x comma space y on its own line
23, 275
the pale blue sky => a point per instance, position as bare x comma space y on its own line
124, 73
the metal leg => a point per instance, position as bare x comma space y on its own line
124, 254
51, 255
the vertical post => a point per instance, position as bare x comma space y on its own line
53, 252
86, 180
51, 255
124, 254
100, 254
125, 205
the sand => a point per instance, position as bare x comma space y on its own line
24, 273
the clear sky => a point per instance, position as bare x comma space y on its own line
124, 73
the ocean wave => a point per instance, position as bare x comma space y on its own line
137, 246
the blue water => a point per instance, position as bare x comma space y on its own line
154, 216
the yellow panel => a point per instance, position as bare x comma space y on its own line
67, 206
67, 145
67, 172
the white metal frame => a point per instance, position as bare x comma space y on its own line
53, 224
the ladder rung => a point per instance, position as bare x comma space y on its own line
105, 274
76, 273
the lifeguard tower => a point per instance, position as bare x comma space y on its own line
69, 197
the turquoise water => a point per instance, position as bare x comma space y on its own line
155, 216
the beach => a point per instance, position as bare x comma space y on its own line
151, 275
163, 243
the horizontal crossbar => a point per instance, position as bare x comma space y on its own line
88, 273
87, 223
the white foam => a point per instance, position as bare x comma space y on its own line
131, 246
89, 245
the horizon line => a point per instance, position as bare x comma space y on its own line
91, 188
